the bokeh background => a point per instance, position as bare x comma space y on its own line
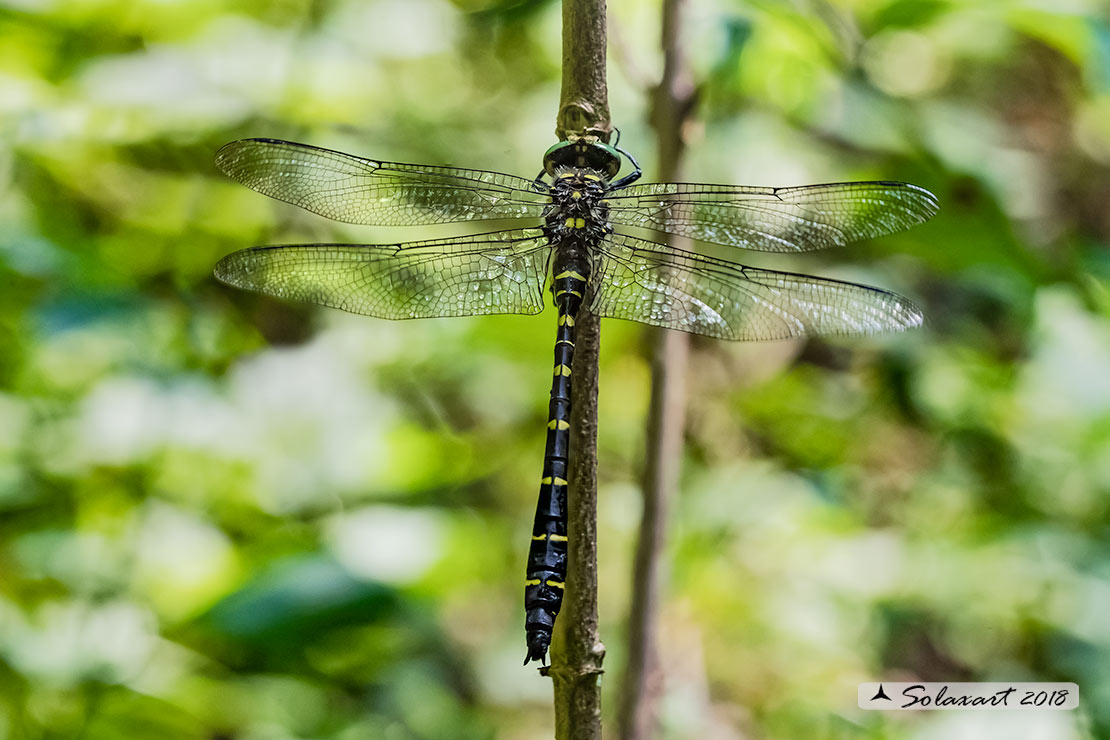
227, 517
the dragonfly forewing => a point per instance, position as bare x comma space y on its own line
796, 219
357, 190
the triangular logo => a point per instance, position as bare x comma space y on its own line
880, 694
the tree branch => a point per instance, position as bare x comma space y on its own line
642, 688
584, 102
577, 654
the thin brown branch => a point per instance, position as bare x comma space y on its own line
577, 654
584, 101
642, 687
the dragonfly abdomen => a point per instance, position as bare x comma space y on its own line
544, 582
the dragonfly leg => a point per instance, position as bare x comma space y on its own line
631, 177
539, 185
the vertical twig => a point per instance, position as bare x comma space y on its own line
643, 683
584, 102
577, 652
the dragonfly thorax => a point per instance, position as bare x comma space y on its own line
578, 213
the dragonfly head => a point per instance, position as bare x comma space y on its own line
583, 153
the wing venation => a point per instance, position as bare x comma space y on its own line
501, 272
797, 219
654, 284
356, 190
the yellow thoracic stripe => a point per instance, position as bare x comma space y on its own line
558, 538
562, 370
555, 584
532, 582
558, 424
539, 537
574, 223
576, 194
571, 274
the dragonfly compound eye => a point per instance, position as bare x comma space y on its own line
581, 154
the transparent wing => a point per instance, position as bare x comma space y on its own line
365, 191
800, 219
654, 284
502, 272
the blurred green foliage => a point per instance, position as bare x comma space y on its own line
225, 517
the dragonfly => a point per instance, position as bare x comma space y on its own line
571, 234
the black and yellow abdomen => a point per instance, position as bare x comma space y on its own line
545, 578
